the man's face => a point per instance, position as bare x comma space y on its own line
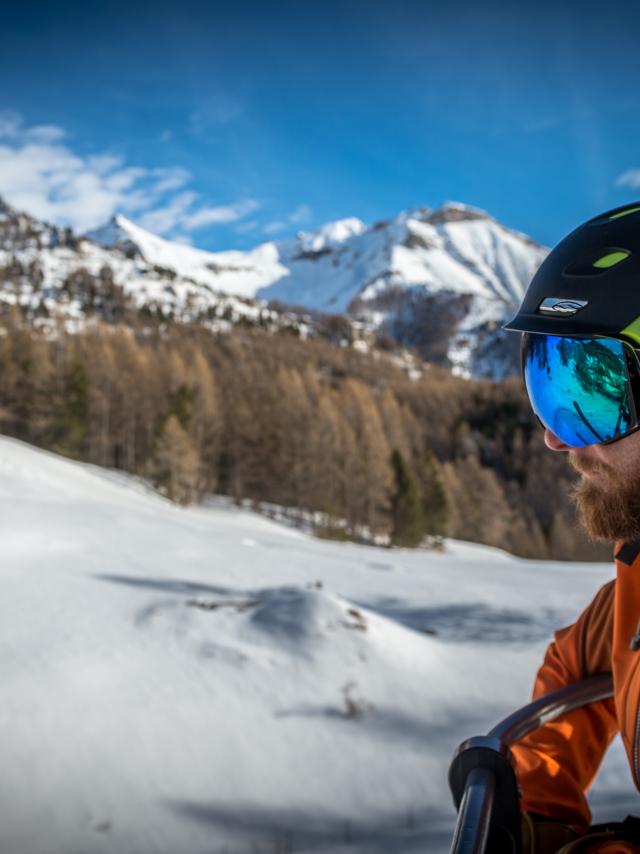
608, 493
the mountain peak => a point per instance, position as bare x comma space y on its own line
457, 212
330, 234
116, 234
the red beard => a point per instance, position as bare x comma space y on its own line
609, 507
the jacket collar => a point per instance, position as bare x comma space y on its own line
628, 552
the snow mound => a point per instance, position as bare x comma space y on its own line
296, 617
303, 618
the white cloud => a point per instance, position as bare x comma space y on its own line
9, 124
172, 178
182, 211
41, 174
247, 226
103, 163
299, 216
45, 134
166, 218
221, 214
630, 178
275, 226
12, 127
219, 110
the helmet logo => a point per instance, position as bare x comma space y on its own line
564, 307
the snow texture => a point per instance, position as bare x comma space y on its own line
206, 680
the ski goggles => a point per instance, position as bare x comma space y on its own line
585, 390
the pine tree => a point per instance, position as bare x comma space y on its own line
73, 414
407, 515
435, 504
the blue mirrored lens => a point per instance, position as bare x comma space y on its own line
579, 387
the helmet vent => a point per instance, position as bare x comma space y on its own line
616, 214
611, 259
597, 262
624, 212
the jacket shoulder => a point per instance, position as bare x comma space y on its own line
597, 631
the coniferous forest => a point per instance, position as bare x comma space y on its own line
367, 451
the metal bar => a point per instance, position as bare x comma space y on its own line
514, 728
474, 816
476, 807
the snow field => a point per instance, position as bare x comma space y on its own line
208, 680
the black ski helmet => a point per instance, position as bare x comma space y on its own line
589, 285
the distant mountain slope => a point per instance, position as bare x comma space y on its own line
455, 249
441, 281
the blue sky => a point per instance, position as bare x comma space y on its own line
226, 124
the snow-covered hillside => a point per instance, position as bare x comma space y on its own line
441, 281
43, 267
194, 680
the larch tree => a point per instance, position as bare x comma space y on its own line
369, 469
175, 466
208, 418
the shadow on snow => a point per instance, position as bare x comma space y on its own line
475, 621
263, 829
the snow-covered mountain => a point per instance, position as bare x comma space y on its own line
233, 272
208, 680
441, 281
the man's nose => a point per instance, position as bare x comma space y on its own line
553, 443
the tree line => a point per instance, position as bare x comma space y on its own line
344, 435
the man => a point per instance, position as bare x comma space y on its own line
580, 320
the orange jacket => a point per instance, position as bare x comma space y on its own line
558, 762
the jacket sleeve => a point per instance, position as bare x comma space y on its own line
557, 763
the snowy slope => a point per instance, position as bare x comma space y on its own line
180, 680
